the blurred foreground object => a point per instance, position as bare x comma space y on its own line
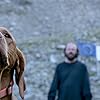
11, 59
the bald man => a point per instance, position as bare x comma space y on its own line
71, 80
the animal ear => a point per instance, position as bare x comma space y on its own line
20, 72
21, 58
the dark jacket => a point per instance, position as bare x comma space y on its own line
71, 82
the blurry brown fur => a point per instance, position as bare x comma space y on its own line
15, 61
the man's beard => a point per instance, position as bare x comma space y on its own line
72, 57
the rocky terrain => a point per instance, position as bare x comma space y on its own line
42, 28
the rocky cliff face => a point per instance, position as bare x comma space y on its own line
35, 17
42, 28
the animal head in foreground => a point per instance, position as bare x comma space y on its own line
11, 58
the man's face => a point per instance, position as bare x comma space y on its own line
71, 51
